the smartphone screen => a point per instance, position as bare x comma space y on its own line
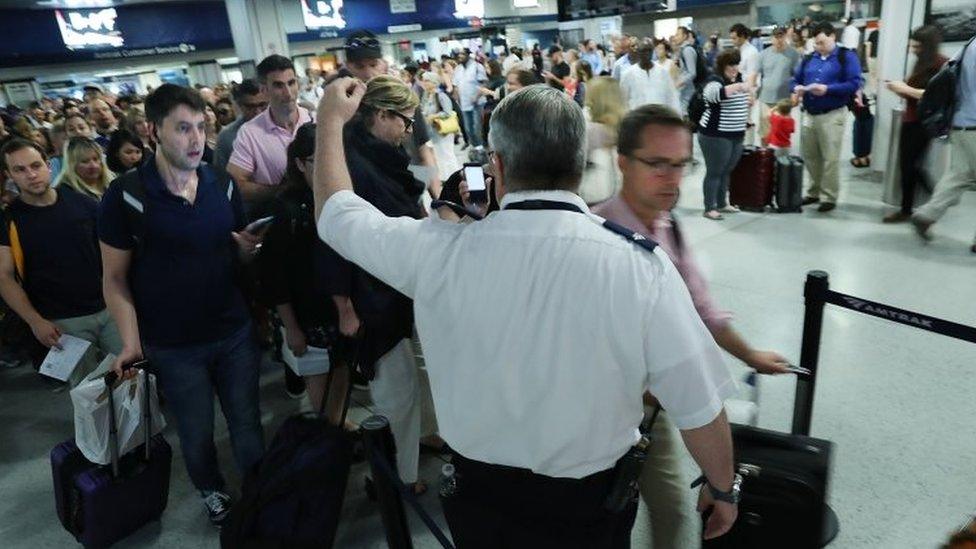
474, 175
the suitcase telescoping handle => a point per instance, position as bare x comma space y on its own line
113, 429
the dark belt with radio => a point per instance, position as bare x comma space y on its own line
628, 469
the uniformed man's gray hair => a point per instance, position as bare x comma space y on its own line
540, 134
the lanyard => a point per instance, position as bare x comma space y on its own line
615, 228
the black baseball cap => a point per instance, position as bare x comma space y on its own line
361, 45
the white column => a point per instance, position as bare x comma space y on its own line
205, 73
257, 28
898, 18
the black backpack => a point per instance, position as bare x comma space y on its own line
293, 497
702, 72
697, 105
938, 103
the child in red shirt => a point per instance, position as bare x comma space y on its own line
781, 127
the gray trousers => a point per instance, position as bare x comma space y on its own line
721, 155
100, 330
960, 176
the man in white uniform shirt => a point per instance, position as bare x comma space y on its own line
538, 382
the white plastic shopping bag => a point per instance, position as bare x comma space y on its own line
90, 400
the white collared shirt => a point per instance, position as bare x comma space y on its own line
541, 329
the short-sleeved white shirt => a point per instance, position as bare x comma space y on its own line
541, 329
748, 60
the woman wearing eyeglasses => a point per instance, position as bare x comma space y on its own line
378, 166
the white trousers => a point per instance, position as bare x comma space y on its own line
396, 395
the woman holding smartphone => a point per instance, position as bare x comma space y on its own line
914, 143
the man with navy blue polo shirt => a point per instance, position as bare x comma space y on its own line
826, 83
172, 240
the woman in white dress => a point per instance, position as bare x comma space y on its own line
435, 104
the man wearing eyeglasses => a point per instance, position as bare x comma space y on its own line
654, 153
249, 102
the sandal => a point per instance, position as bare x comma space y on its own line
713, 215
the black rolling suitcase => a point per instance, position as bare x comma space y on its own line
293, 497
785, 479
789, 184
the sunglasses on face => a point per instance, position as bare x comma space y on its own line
407, 121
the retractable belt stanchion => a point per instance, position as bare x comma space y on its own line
378, 444
817, 294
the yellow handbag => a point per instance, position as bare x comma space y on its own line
448, 124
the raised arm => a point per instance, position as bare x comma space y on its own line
337, 107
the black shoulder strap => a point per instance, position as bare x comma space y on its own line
630, 235
679, 240
134, 203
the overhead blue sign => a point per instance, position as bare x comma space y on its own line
37, 37
381, 17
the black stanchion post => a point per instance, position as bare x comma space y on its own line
815, 294
378, 444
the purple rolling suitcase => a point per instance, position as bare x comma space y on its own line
101, 504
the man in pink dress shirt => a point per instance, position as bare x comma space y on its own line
260, 150
654, 152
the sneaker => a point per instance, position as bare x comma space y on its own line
896, 217
730, 209
922, 227
218, 506
826, 207
294, 384
713, 215
807, 200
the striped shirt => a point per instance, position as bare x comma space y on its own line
726, 115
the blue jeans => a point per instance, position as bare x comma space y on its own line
189, 376
472, 125
721, 156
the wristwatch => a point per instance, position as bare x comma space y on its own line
732, 496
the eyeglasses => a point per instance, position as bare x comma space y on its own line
407, 121
663, 167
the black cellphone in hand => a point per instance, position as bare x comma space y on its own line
474, 176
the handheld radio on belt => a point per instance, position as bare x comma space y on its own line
628, 469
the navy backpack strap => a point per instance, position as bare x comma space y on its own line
134, 204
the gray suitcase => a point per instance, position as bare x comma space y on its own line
789, 184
